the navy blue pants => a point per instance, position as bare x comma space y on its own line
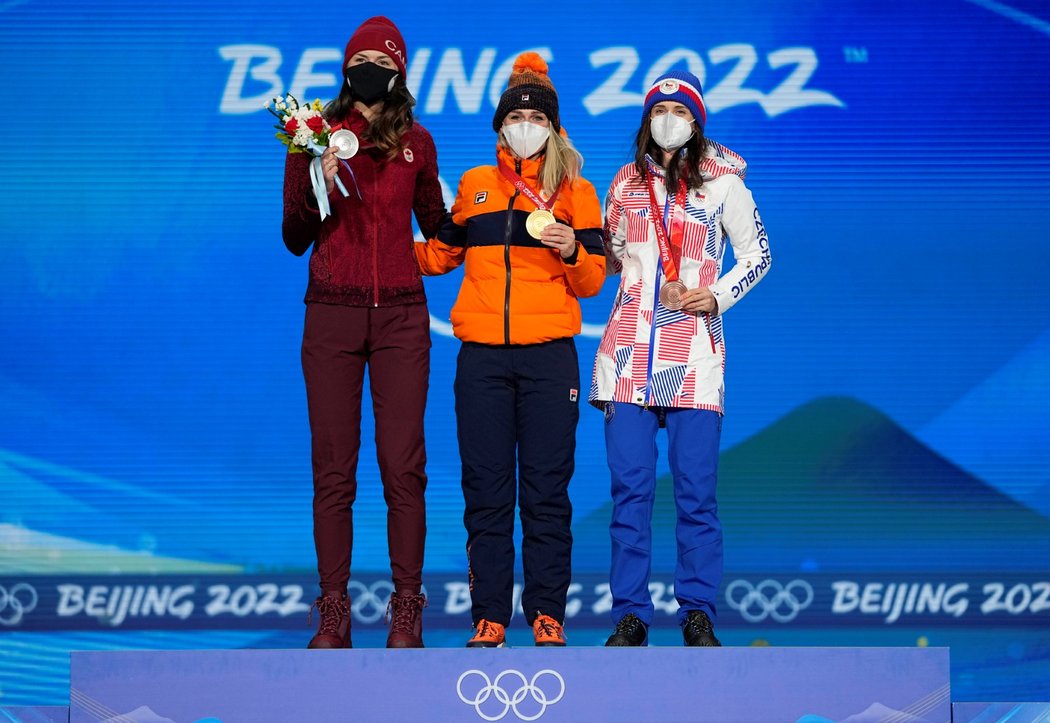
516, 413
630, 439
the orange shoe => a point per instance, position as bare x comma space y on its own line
488, 634
548, 632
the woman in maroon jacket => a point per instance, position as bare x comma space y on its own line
365, 306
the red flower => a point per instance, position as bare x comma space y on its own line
316, 123
291, 125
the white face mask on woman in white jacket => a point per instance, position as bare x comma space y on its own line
671, 131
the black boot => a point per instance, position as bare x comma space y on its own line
698, 631
630, 632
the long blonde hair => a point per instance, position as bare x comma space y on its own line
561, 161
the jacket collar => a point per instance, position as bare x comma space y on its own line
354, 121
718, 161
530, 167
654, 168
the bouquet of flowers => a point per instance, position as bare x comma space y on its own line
300, 127
303, 129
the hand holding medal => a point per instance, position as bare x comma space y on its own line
537, 221
541, 223
698, 301
342, 145
303, 129
674, 294
671, 294
673, 289
560, 237
345, 143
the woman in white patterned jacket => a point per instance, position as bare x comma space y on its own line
662, 357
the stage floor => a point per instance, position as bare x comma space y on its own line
1001, 664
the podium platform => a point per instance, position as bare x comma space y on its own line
1000, 712
34, 714
804, 685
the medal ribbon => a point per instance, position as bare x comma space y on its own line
526, 190
669, 248
318, 184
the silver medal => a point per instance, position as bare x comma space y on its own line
345, 143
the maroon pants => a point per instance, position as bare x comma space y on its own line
394, 343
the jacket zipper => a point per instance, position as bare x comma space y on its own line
652, 341
506, 258
656, 308
375, 260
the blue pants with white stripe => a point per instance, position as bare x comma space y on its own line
630, 441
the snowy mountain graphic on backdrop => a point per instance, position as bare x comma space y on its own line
999, 431
837, 469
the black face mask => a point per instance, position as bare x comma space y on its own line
370, 82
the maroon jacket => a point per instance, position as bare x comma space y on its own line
363, 253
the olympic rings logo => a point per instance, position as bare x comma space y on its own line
369, 601
508, 700
16, 604
769, 599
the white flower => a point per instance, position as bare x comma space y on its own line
302, 135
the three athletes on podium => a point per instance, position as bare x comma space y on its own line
529, 231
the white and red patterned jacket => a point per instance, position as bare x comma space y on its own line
678, 361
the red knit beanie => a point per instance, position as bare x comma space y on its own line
378, 33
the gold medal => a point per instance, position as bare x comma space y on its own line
345, 143
537, 221
671, 295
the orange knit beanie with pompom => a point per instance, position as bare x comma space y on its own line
529, 87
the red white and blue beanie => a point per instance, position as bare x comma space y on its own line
680, 87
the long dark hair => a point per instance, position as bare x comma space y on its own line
685, 162
387, 128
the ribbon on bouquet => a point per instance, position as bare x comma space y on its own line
317, 181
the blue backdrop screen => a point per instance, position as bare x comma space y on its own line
886, 384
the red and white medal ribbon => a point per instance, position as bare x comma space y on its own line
526, 190
542, 216
672, 290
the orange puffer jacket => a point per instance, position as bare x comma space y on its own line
516, 290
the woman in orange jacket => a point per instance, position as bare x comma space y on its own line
529, 233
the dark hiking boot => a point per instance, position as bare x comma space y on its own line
334, 630
405, 613
698, 630
630, 632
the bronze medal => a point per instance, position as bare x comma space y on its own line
671, 295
